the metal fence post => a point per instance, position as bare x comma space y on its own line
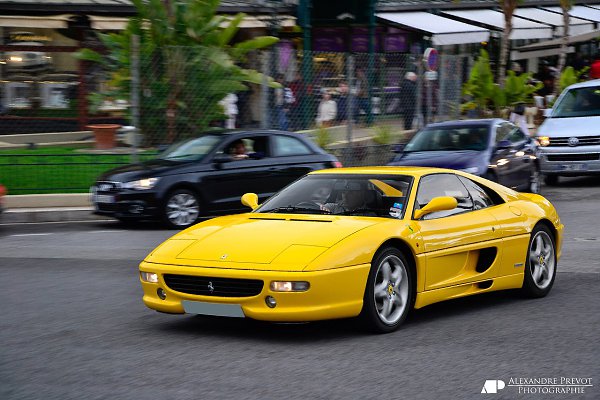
350, 102
264, 92
135, 94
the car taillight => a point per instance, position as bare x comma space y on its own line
336, 164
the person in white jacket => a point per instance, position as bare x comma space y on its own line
230, 108
327, 111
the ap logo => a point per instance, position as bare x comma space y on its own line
492, 386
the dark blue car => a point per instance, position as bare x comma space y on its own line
492, 148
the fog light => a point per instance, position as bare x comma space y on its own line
161, 293
289, 286
149, 277
271, 302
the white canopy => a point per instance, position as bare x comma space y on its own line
576, 26
443, 31
522, 28
582, 12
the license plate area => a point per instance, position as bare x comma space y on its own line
103, 198
574, 167
214, 309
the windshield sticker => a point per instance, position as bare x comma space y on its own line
396, 210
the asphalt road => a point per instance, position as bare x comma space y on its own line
74, 327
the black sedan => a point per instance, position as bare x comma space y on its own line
492, 148
206, 176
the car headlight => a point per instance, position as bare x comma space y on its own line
289, 286
543, 141
150, 277
470, 170
142, 184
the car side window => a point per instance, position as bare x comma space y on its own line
480, 198
437, 185
250, 147
289, 146
516, 135
503, 131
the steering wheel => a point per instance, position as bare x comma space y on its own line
311, 205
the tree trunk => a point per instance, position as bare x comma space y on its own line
562, 58
504, 47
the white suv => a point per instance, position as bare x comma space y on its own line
570, 136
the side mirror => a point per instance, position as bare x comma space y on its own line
441, 203
503, 145
398, 148
250, 200
547, 112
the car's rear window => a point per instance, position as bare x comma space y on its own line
457, 137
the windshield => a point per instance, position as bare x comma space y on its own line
475, 137
192, 149
582, 102
364, 195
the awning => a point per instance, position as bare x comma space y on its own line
21, 21
576, 25
552, 47
522, 28
583, 12
443, 31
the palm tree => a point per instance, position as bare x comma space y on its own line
188, 63
565, 5
508, 8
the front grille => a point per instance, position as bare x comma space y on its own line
574, 157
107, 186
221, 287
583, 141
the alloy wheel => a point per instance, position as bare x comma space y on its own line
182, 209
542, 260
391, 291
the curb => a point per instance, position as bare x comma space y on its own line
52, 214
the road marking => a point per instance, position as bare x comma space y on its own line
32, 234
106, 231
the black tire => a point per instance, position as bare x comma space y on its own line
540, 267
399, 292
551, 180
181, 209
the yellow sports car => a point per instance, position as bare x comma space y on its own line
368, 242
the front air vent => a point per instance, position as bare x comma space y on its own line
210, 286
486, 259
309, 220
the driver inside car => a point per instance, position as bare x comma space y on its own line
353, 198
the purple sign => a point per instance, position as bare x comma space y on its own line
360, 43
396, 43
329, 39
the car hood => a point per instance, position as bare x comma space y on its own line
258, 241
565, 127
452, 159
139, 171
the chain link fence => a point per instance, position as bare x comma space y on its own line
354, 105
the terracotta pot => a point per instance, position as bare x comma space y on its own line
105, 135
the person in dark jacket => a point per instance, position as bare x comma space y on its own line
408, 99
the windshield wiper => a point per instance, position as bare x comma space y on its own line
293, 209
357, 211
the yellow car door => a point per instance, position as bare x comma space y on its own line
460, 245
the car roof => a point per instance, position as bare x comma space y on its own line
384, 170
592, 83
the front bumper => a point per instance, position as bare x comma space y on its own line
336, 293
570, 160
135, 205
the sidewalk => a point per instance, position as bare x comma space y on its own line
33, 208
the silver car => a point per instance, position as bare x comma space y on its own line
570, 136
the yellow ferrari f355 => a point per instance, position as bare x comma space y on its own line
371, 243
